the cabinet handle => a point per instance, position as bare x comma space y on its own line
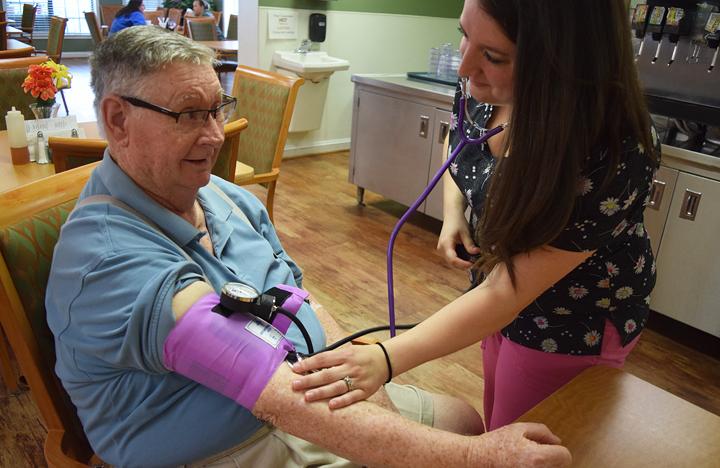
690, 203
444, 130
424, 124
656, 194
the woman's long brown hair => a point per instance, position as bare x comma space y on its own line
575, 90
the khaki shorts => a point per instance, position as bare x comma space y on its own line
272, 448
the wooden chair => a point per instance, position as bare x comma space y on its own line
55, 39
27, 23
267, 100
232, 32
108, 12
30, 220
153, 16
12, 76
69, 153
3, 34
96, 32
200, 28
226, 164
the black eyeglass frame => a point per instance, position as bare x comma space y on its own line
176, 115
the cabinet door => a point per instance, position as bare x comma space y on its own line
656, 212
434, 203
392, 149
688, 266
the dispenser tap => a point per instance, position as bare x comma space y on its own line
639, 24
713, 37
656, 25
676, 25
304, 47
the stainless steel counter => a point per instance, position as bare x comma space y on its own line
403, 85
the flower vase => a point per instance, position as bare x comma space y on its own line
45, 111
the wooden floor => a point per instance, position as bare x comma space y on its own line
341, 248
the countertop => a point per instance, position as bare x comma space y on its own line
677, 158
400, 83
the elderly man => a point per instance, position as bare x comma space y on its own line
161, 372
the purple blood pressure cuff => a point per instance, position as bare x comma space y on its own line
289, 298
235, 356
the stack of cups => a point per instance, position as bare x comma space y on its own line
444, 62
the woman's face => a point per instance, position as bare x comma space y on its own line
142, 6
198, 8
488, 56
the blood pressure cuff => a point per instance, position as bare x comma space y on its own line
235, 356
290, 299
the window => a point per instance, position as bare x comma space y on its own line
70, 9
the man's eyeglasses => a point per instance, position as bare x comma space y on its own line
194, 117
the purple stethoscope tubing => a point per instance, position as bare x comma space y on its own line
464, 140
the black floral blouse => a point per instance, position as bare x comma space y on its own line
615, 282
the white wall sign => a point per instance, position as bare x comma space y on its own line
282, 24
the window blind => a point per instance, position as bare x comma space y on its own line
70, 9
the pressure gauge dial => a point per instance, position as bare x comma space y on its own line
238, 297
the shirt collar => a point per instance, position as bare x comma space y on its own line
122, 187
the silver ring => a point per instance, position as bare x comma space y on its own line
348, 381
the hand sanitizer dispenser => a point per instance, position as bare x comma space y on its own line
317, 27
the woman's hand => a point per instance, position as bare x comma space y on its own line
455, 230
345, 375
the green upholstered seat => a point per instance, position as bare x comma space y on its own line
11, 94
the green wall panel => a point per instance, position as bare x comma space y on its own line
441, 9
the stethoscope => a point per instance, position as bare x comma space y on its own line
464, 140
240, 297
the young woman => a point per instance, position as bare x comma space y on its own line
129, 15
562, 266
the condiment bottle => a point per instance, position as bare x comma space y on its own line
17, 138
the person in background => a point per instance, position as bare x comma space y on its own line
562, 266
202, 8
129, 15
133, 290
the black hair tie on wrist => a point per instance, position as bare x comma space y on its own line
387, 360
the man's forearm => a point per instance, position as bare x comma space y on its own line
363, 432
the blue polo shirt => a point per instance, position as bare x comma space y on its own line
108, 302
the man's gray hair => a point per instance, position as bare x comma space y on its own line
121, 62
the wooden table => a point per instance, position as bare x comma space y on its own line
607, 417
12, 176
221, 46
16, 48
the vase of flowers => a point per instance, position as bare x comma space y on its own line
43, 82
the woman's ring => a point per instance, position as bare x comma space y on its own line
348, 381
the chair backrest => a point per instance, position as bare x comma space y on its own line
56, 35
30, 220
69, 153
201, 29
94, 27
175, 15
27, 22
232, 32
11, 93
108, 12
227, 158
266, 99
3, 35
153, 16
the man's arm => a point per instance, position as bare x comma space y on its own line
368, 434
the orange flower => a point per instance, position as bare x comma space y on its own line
39, 83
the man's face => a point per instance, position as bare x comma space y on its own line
171, 160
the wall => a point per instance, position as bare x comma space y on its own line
382, 41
